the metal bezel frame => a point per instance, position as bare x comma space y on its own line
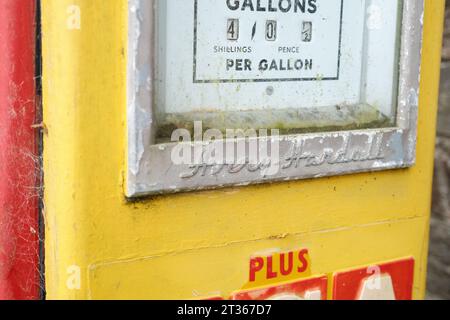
151, 171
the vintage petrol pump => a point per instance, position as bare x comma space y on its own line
235, 149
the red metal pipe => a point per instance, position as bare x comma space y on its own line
19, 177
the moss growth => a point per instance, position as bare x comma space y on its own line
288, 121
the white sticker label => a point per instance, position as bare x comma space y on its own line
267, 40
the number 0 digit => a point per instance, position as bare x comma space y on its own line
271, 30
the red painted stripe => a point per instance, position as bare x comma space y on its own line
19, 244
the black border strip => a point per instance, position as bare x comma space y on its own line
195, 80
39, 113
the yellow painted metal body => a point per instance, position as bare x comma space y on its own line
197, 245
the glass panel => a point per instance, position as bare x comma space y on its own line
295, 65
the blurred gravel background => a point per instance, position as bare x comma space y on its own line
439, 258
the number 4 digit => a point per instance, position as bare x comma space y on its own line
233, 29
